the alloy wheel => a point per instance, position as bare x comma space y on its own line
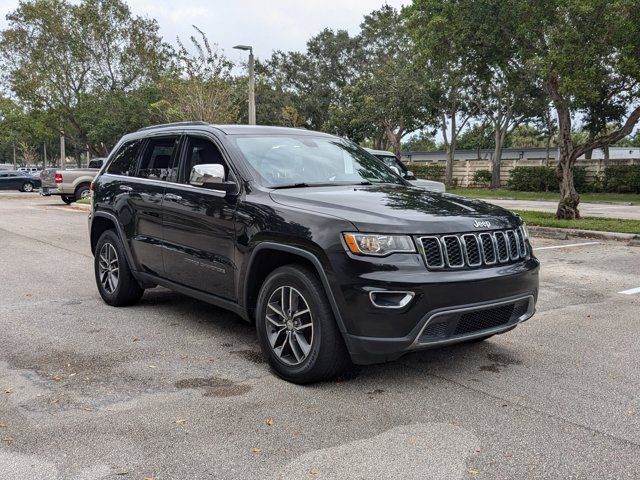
289, 325
108, 268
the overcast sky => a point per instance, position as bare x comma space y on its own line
267, 25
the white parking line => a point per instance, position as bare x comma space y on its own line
631, 291
568, 245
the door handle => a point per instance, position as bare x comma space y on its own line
126, 188
172, 196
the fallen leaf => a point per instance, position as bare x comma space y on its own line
8, 390
269, 421
136, 339
473, 472
57, 378
477, 450
184, 356
8, 440
153, 366
181, 421
314, 471
3, 425
256, 450
87, 408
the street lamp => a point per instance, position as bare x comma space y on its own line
252, 95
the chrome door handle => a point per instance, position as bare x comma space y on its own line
172, 196
125, 188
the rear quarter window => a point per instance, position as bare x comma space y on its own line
124, 162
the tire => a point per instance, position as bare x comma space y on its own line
68, 199
326, 355
117, 286
82, 192
27, 187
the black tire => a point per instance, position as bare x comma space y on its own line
327, 356
126, 290
68, 199
82, 192
27, 187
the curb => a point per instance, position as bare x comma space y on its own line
565, 233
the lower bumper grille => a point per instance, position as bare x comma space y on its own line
467, 321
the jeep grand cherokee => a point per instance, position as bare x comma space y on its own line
333, 256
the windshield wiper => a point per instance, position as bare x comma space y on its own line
291, 185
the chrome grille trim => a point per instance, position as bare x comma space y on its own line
487, 243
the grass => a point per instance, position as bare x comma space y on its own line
546, 219
84, 201
633, 198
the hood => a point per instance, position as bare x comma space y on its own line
398, 209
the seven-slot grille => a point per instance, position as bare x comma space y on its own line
473, 250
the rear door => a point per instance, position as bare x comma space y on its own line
144, 191
5, 181
199, 234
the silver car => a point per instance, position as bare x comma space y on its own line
400, 168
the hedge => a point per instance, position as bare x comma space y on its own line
428, 171
544, 179
621, 179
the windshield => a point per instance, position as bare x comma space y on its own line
301, 160
391, 161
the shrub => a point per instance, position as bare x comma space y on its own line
533, 179
482, 177
428, 171
621, 179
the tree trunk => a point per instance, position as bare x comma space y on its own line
569, 198
497, 157
546, 158
451, 154
605, 150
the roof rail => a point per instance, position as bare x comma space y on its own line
175, 124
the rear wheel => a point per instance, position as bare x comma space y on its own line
116, 284
68, 199
82, 192
296, 327
27, 187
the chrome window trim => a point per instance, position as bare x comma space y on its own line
424, 255
443, 239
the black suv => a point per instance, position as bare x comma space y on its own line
333, 256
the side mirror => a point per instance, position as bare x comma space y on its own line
210, 175
396, 170
409, 175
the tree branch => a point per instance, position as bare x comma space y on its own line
612, 137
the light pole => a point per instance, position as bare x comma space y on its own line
252, 94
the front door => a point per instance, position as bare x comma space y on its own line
199, 240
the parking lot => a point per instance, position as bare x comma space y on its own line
176, 388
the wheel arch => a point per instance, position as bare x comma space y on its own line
266, 257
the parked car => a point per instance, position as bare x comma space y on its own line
29, 170
71, 184
18, 180
331, 255
401, 169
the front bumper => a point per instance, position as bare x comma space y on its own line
441, 308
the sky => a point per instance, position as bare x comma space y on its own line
267, 25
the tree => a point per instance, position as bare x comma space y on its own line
434, 26
198, 86
55, 53
579, 49
422, 141
390, 93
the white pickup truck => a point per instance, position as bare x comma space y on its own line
72, 184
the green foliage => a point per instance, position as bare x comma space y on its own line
477, 136
543, 179
428, 171
621, 178
482, 177
422, 141
545, 219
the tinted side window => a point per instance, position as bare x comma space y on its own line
201, 151
157, 160
124, 162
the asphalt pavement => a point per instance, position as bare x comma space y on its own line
603, 210
173, 388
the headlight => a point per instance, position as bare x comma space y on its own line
378, 245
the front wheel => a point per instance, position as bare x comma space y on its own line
114, 279
296, 327
27, 187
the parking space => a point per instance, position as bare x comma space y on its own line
175, 388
